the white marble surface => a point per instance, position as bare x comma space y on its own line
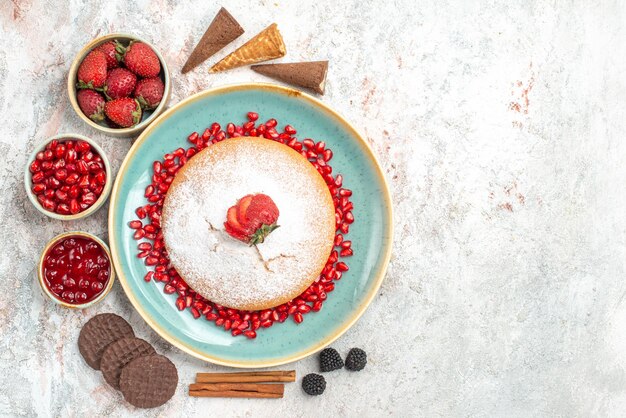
505, 294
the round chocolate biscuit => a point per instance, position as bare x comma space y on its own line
149, 381
118, 354
98, 333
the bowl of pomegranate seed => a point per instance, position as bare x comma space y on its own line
75, 270
118, 84
68, 177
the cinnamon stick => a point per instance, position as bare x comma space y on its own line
236, 390
247, 377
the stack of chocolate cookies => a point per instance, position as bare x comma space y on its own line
129, 364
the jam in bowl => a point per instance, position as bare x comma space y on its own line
75, 270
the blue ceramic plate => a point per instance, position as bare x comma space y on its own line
371, 233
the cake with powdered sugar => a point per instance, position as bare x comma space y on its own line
248, 223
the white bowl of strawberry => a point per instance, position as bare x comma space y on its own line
119, 84
68, 177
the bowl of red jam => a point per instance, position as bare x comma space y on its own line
68, 177
75, 270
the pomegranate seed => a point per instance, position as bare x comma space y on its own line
74, 207
34, 166
82, 167
308, 143
61, 174
267, 323
341, 266
71, 178
195, 313
61, 195
338, 239
135, 224
39, 156
38, 177
215, 127
347, 252
71, 155
100, 178
290, 130
349, 217
327, 155
148, 276
346, 244
250, 334
180, 304
88, 199
63, 209
149, 191
192, 138
150, 261
236, 332
49, 205
319, 147
253, 116
271, 123
48, 155
298, 317
39, 188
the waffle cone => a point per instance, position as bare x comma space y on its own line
223, 30
310, 75
267, 45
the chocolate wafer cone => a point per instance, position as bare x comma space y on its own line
223, 30
310, 75
267, 45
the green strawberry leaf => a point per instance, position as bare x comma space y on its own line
260, 234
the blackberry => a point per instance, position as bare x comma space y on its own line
314, 384
356, 359
330, 360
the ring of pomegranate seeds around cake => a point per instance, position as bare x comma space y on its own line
249, 221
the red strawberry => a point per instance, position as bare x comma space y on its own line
120, 83
124, 112
233, 227
92, 71
149, 92
108, 48
252, 218
140, 59
91, 103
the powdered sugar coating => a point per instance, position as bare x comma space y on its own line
225, 270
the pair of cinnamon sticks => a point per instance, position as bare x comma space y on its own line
241, 385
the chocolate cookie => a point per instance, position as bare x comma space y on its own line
118, 354
98, 333
149, 381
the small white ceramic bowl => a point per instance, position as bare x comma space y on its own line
47, 291
101, 199
148, 116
